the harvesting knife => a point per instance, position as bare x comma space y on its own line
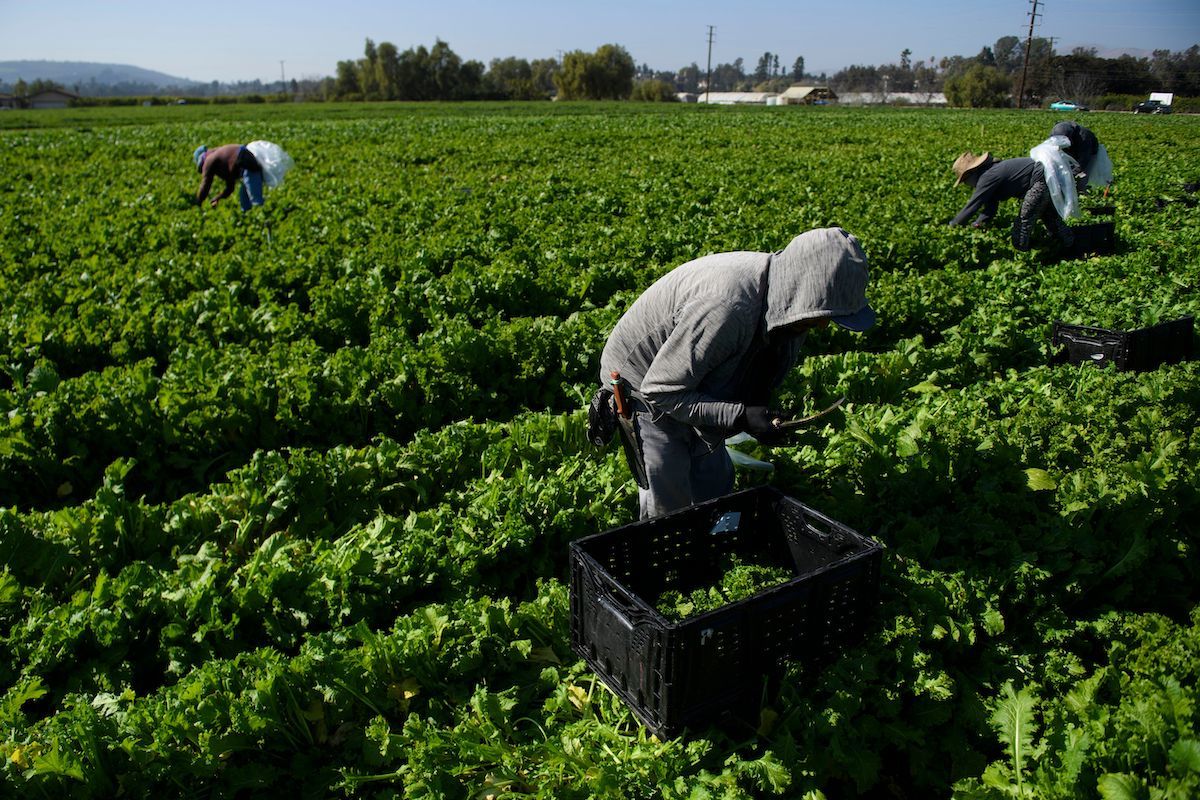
789, 424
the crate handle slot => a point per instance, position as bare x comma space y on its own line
613, 597
617, 612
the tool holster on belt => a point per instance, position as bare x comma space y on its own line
612, 409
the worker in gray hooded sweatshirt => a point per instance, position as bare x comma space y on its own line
700, 352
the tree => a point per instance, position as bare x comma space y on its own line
926, 79
763, 70
1008, 53
1079, 76
606, 74
688, 78
346, 86
798, 69
445, 68
729, 77
543, 71
981, 87
571, 80
414, 81
1176, 72
654, 91
857, 78
510, 79
368, 73
387, 70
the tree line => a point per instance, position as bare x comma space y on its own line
997, 74
992, 77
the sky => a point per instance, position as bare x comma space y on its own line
228, 41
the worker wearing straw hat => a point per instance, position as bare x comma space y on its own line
1010, 178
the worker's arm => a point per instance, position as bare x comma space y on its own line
983, 202
705, 336
206, 179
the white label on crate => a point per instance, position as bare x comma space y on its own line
705, 635
729, 521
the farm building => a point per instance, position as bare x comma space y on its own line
737, 98
7, 101
807, 95
51, 98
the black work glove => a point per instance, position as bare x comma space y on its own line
759, 422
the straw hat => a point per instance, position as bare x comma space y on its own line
967, 162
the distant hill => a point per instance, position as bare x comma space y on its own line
82, 73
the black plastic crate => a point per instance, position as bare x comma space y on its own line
1137, 350
1093, 239
676, 674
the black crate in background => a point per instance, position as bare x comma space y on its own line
1093, 239
1137, 350
676, 674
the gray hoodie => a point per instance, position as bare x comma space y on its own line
693, 342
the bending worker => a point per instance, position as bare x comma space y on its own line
701, 351
1095, 166
229, 163
1084, 145
994, 181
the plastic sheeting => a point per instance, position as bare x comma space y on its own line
1101, 169
275, 162
1060, 171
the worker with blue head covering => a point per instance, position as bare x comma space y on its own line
230, 163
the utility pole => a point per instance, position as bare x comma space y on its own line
1033, 15
282, 80
708, 77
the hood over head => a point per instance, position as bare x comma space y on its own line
821, 274
198, 156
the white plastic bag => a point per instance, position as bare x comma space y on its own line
1060, 174
740, 459
1100, 172
275, 162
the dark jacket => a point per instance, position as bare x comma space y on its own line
1084, 144
1002, 180
226, 162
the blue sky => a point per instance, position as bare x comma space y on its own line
227, 41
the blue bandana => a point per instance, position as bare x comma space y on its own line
198, 156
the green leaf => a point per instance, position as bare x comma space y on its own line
1039, 480
1185, 756
1121, 786
1013, 721
57, 762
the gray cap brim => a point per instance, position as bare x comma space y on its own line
860, 320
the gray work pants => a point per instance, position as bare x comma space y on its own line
680, 467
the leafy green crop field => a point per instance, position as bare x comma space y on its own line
285, 497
